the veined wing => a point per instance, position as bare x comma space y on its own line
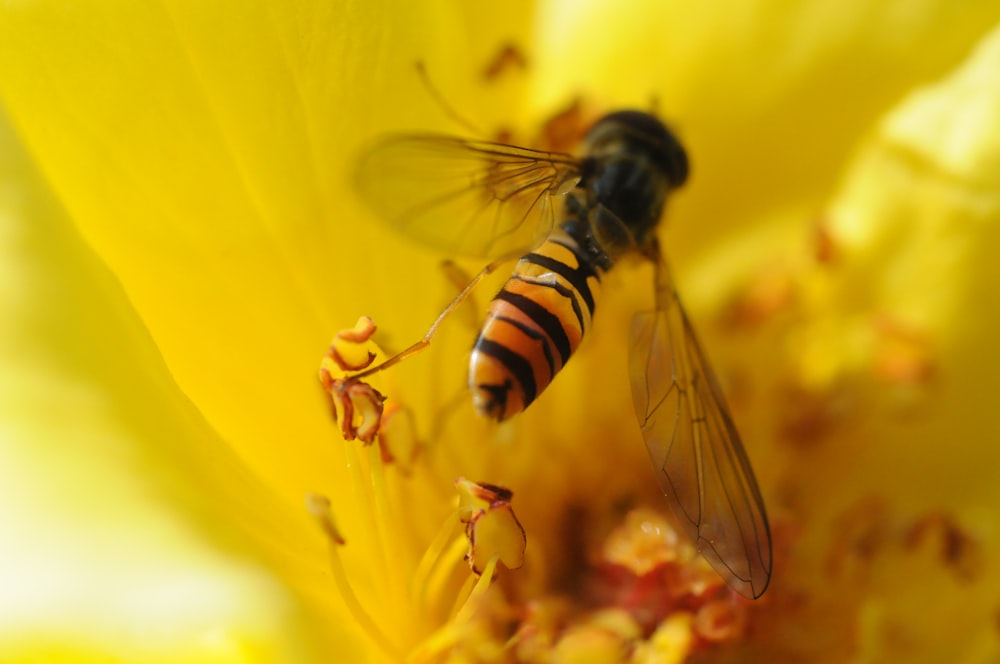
699, 460
465, 197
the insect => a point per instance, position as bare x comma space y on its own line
571, 219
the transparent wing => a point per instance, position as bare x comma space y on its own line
694, 446
470, 198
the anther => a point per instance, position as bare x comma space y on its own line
319, 507
491, 526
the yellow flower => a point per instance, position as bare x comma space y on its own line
180, 242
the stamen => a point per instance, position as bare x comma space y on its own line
509, 57
490, 524
670, 643
319, 507
398, 441
452, 631
361, 487
491, 530
355, 404
482, 585
463, 595
443, 571
492, 534
720, 620
428, 568
348, 350
388, 530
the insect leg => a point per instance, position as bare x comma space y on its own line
436, 95
458, 278
429, 336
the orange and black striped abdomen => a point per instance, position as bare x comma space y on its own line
532, 327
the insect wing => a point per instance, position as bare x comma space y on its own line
465, 197
694, 446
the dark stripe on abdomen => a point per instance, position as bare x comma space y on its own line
534, 325
547, 321
534, 334
518, 366
577, 278
565, 291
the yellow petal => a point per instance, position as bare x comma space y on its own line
917, 222
768, 97
897, 348
129, 528
205, 153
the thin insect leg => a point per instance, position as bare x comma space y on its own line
429, 336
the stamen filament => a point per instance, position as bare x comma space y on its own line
462, 596
449, 634
447, 564
361, 486
482, 585
428, 562
359, 613
388, 530
320, 508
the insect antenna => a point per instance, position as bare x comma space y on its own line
448, 109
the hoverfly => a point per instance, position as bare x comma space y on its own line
570, 219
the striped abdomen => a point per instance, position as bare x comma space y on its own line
532, 327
